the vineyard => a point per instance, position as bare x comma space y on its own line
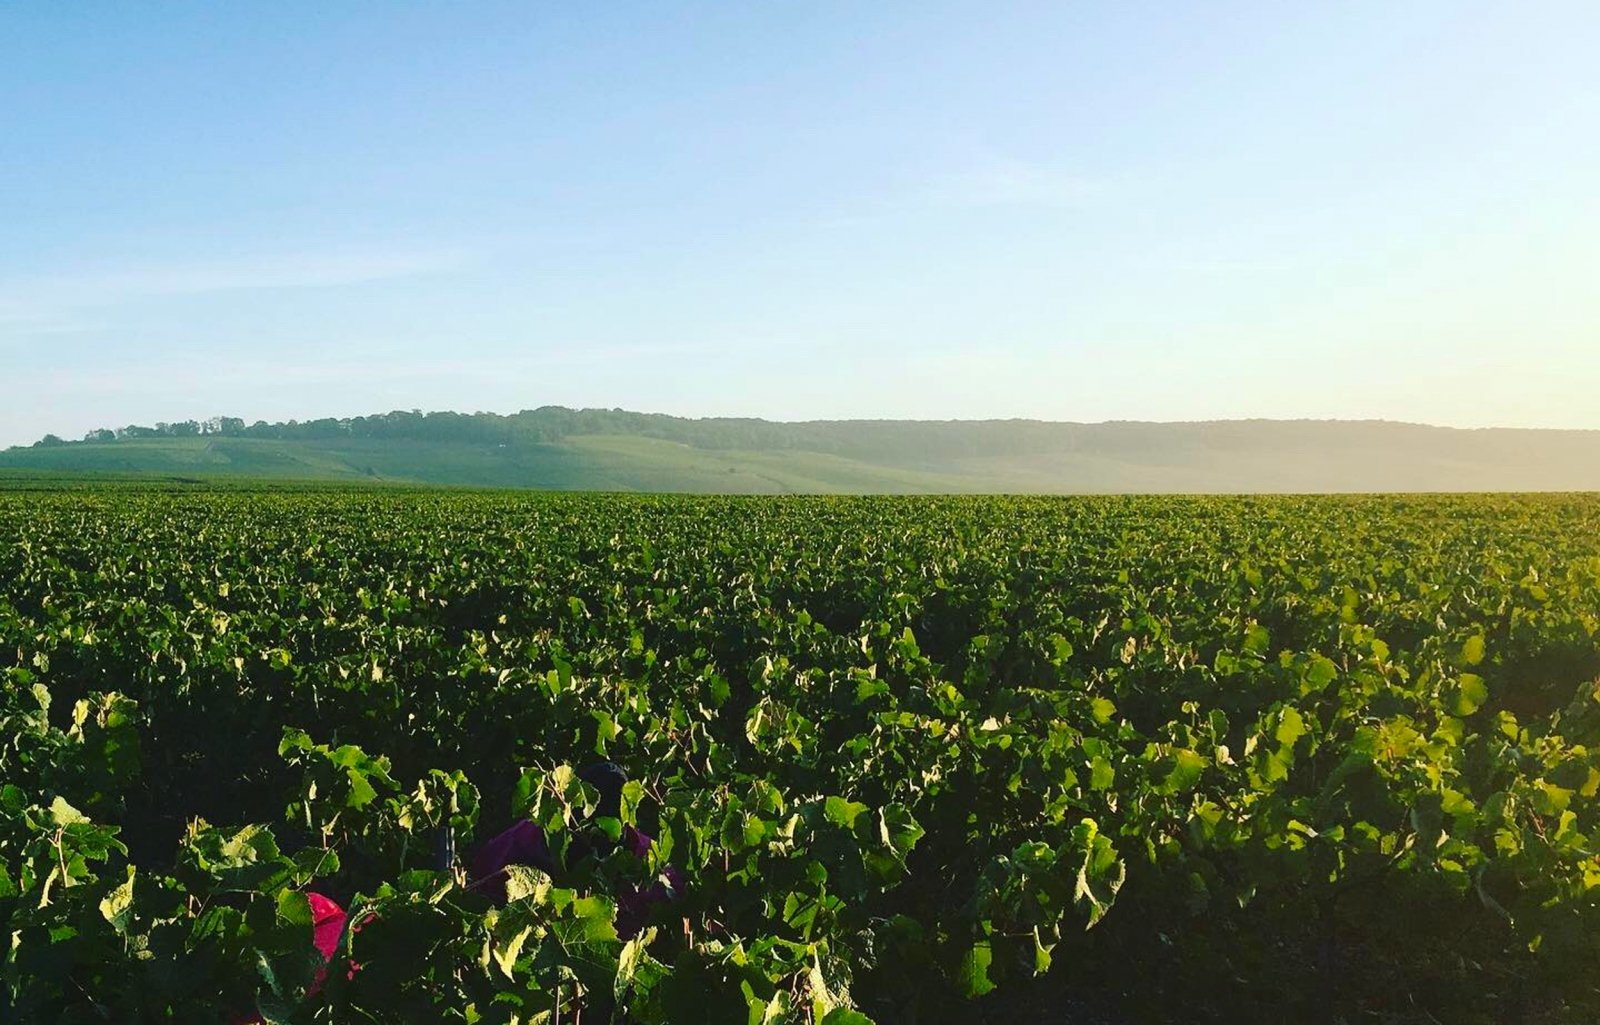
904, 760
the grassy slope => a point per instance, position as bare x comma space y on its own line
1226, 457
595, 462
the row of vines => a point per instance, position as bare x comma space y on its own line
915, 760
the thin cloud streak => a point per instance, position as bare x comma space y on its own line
41, 298
188, 377
1013, 183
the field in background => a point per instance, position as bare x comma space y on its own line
954, 759
614, 450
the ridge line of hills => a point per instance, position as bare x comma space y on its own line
600, 449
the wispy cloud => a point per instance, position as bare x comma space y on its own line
47, 303
1012, 183
188, 377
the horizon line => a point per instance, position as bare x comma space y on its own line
909, 421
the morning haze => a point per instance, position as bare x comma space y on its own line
617, 450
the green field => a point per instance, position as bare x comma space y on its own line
591, 462
919, 760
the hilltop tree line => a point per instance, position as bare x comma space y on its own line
549, 424
902, 442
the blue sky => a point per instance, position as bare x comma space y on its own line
1158, 211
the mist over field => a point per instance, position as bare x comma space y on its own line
614, 450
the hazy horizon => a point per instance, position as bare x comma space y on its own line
555, 448
206, 422
938, 211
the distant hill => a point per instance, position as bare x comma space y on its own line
595, 449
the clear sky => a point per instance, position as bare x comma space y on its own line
799, 210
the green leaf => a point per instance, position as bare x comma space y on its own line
64, 814
899, 830
1470, 694
507, 951
846, 1016
312, 862
596, 916
1320, 672
1291, 726
294, 909
362, 792
632, 797
1101, 874
1185, 773
973, 977
1041, 953
1549, 799
1472, 650
841, 812
637, 972
117, 906
523, 882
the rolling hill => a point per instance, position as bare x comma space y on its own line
558, 448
